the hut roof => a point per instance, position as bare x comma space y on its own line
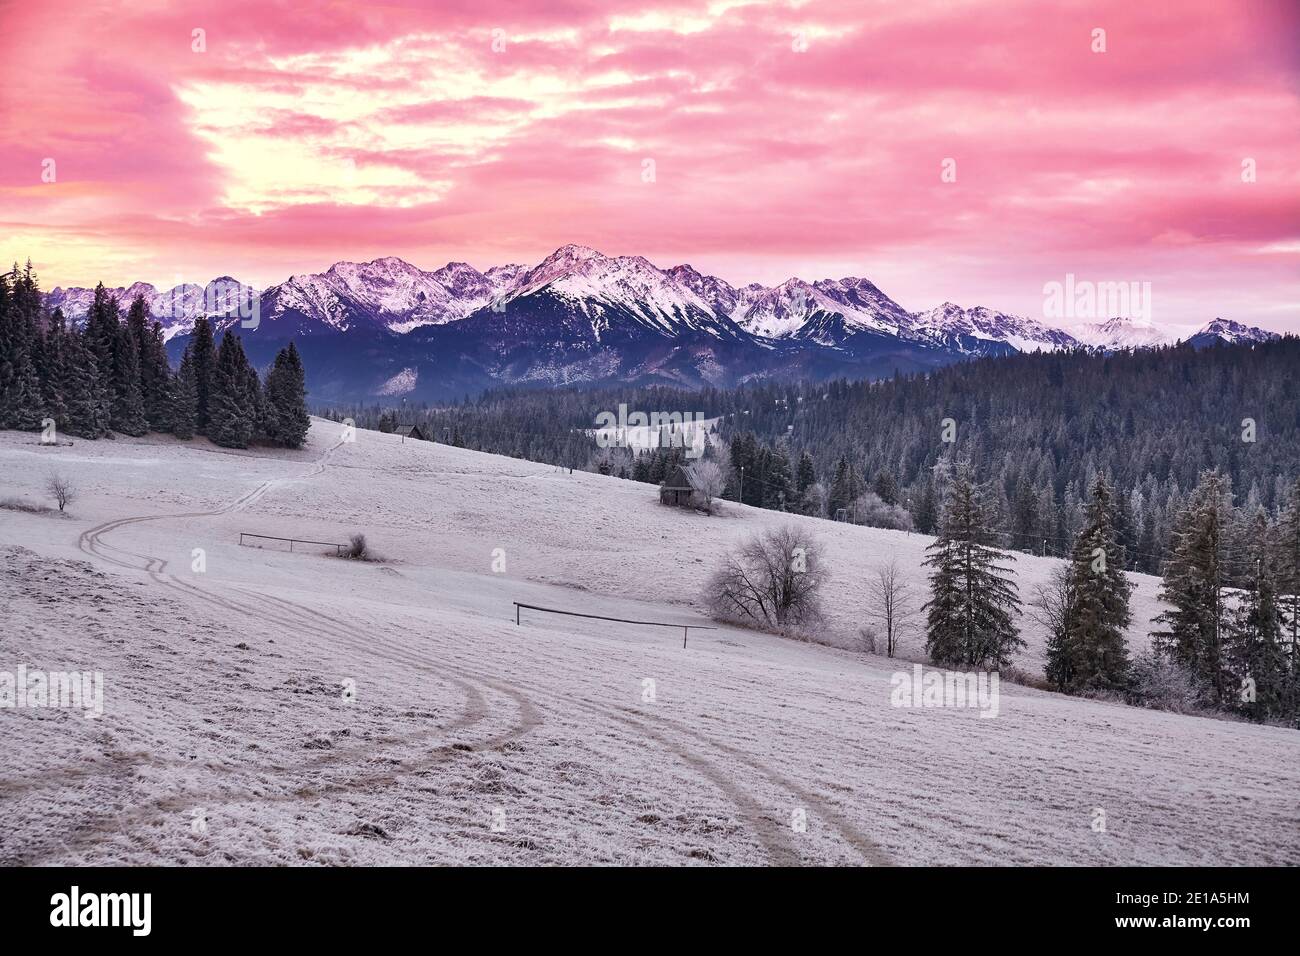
678, 479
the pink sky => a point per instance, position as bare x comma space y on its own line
787, 139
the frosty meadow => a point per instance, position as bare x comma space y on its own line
465, 738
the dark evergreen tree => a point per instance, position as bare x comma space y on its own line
1094, 636
204, 358
1288, 559
22, 403
232, 410
102, 331
53, 370
127, 414
970, 615
776, 484
1255, 634
885, 487
184, 394
155, 374
925, 511
845, 488
1196, 578
805, 476
286, 399
85, 389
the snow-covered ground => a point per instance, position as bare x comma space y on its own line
297, 708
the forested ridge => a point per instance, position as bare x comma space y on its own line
1037, 427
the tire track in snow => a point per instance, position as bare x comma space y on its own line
775, 838
867, 848
90, 542
771, 834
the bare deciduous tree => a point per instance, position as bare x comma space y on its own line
893, 604
708, 480
61, 489
770, 582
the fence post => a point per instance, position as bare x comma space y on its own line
684, 630
516, 613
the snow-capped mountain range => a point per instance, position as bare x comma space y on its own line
386, 327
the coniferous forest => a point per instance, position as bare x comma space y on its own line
111, 376
1038, 427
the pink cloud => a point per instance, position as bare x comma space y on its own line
768, 160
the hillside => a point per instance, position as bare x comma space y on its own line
472, 739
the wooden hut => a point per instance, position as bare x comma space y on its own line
409, 431
677, 489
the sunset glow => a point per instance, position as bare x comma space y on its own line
785, 138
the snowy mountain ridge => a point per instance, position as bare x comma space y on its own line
397, 296
385, 328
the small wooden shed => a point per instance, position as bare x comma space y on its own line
677, 489
409, 431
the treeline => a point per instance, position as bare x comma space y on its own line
1229, 641
1038, 428
112, 376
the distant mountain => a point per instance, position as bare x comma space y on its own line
174, 308
1122, 333
386, 328
1225, 330
981, 331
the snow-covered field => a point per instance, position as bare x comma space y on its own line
297, 708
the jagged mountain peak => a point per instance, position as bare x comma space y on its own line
1227, 330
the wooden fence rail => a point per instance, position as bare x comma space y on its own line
270, 537
621, 620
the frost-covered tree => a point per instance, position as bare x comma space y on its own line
1093, 637
708, 480
234, 401
284, 400
1254, 641
970, 617
184, 395
1196, 579
772, 581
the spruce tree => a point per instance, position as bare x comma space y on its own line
286, 399
102, 330
970, 615
127, 414
22, 403
886, 487
1061, 667
85, 390
232, 410
184, 396
1196, 578
804, 478
54, 370
154, 370
1098, 602
846, 486
1288, 558
1254, 643
204, 358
